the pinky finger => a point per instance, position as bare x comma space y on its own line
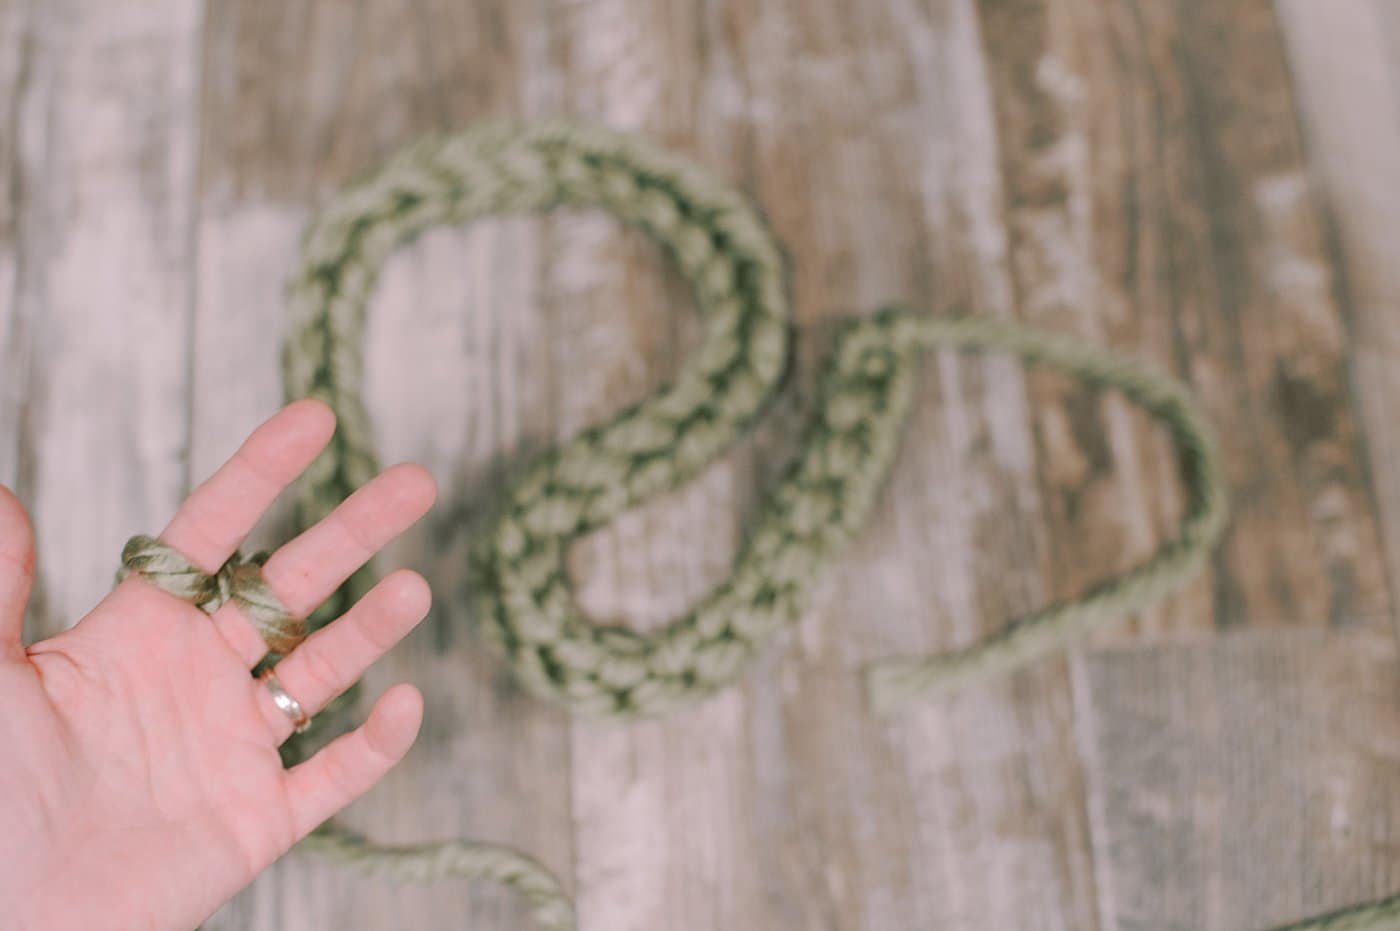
350, 765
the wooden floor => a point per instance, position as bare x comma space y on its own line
1211, 187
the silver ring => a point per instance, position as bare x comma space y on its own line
285, 702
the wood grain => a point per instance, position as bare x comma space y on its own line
15, 347
1350, 106
885, 186
1247, 781
1158, 200
102, 117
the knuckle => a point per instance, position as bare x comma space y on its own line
253, 470
340, 774
353, 531
371, 640
321, 673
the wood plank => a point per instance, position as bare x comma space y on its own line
969, 811
1161, 142
102, 105
1387, 17
1247, 781
1159, 202
300, 97
865, 134
1351, 113
15, 60
659, 830
662, 830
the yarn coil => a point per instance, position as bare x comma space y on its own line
737, 274
526, 604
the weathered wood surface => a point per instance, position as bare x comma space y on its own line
1350, 106
1243, 782
1135, 173
1158, 201
101, 123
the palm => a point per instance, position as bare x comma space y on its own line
161, 739
147, 786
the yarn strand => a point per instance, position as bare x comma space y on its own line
1175, 563
423, 863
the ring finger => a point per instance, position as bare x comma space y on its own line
330, 660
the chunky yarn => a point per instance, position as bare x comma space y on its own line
821, 502
651, 447
1382, 915
239, 580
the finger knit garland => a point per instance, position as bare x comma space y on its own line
653, 446
737, 274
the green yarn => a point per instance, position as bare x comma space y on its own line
810, 515
549, 906
737, 273
1382, 915
238, 580
824, 499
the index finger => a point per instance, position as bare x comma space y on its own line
217, 515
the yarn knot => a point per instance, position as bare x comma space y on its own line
239, 580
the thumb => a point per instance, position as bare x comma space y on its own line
16, 566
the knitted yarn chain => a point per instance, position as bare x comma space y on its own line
737, 273
669, 438
811, 513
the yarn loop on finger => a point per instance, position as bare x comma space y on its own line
238, 580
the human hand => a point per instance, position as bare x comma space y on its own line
140, 783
